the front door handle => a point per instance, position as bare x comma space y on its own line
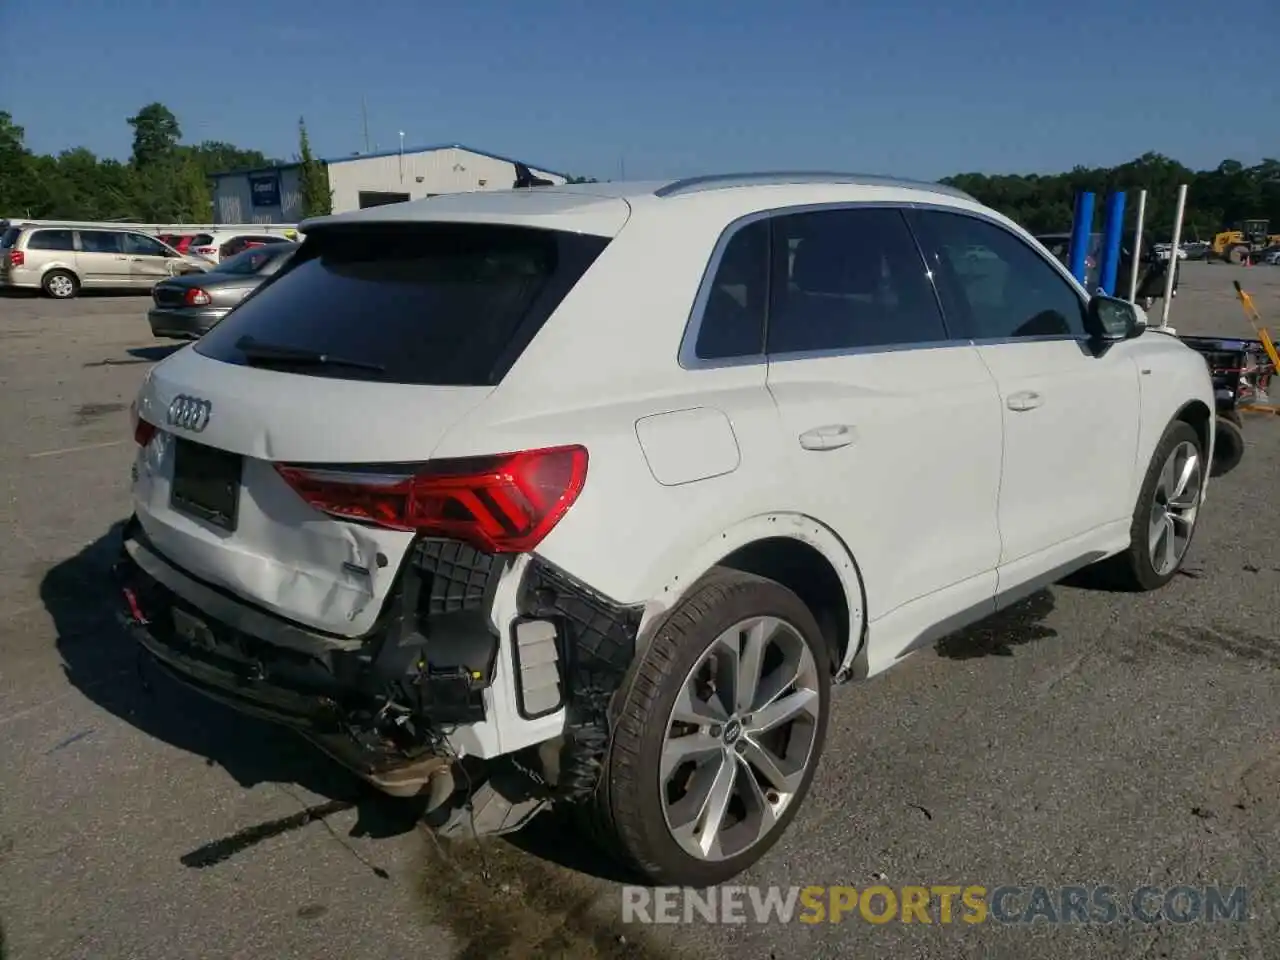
136, 259
1026, 400
831, 437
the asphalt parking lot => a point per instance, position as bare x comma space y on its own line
1084, 738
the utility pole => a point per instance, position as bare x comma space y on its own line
364, 112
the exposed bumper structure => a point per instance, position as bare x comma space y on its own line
385, 705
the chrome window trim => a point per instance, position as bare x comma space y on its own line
687, 355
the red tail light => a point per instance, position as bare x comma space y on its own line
206, 251
501, 504
17, 258
143, 431
195, 297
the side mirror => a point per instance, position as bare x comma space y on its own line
1110, 319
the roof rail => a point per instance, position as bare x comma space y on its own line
723, 180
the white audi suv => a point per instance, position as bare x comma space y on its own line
589, 494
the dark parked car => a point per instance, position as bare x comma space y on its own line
186, 308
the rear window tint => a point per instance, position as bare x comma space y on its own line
442, 304
10, 237
202, 240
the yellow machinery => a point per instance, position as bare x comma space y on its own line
1247, 238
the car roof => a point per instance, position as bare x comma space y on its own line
603, 208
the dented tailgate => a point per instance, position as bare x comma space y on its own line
283, 555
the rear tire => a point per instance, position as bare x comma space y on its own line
1166, 515
756, 749
60, 284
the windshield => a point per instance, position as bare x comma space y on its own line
253, 260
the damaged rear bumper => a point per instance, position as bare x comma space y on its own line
386, 705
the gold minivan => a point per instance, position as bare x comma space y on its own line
61, 260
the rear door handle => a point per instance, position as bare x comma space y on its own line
830, 437
136, 259
1026, 400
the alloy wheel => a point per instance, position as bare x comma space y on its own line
740, 738
1174, 508
61, 286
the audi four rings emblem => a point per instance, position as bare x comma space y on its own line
190, 413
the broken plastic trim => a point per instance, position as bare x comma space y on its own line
598, 643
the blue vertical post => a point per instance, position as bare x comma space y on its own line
1081, 232
1111, 231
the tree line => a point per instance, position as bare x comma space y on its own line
163, 181
1216, 199
167, 181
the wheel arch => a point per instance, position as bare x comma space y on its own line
793, 549
1197, 415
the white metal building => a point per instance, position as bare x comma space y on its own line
273, 195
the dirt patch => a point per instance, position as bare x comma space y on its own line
88, 413
503, 904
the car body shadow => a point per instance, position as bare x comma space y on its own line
110, 669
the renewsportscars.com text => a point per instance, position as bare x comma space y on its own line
938, 904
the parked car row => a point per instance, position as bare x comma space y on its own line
62, 259
219, 245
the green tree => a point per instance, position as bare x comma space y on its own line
19, 190
155, 135
317, 198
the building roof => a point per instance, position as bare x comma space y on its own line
431, 148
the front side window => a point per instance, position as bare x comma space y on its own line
997, 284
733, 315
138, 245
849, 279
51, 240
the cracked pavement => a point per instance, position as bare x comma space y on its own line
1081, 738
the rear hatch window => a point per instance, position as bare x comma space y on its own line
10, 237
445, 304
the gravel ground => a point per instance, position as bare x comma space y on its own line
1083, 738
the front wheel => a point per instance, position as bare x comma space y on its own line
719, 733
1164, 520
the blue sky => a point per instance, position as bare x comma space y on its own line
907, 87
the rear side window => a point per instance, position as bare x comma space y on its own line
849, 279
734, 313
443, 304
51, 240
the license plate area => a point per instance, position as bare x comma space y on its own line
206, 483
